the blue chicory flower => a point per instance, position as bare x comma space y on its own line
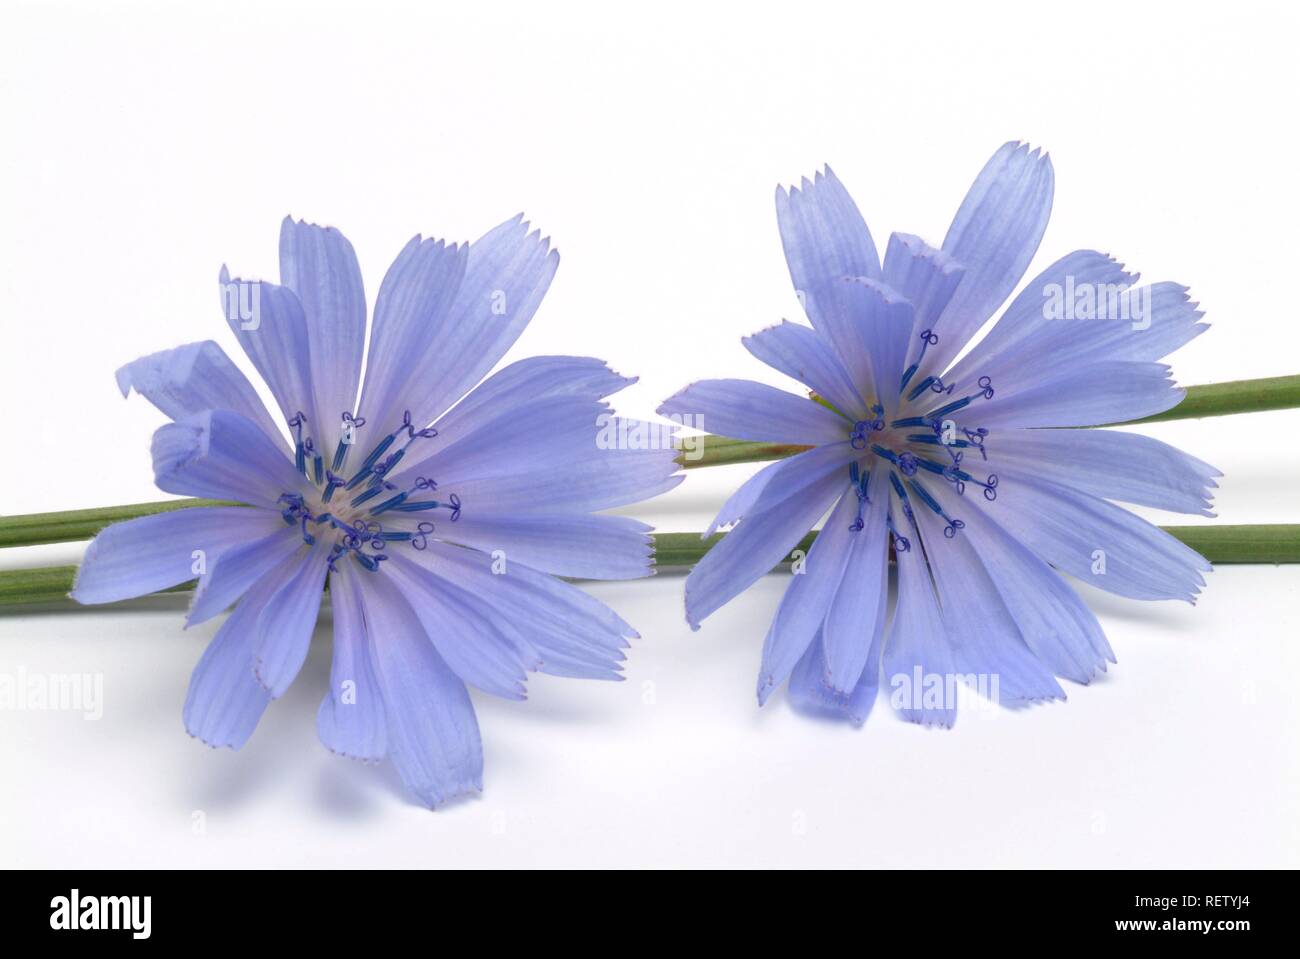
440, 525
969, 468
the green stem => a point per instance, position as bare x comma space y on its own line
48, 584
1218, 544
78, 524
1213, 399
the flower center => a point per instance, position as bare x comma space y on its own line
924, 439
348, 508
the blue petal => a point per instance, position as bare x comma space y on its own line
222, 455
855, 622
878, 323
757, 545
825, 240
411, 319
234, 572
1053, 621
508, 273
144, 555
803, 608
616, 478
1109, 464
576, 545
225, 701
802, 353
922, 275
745, 410
351, 720
986, 641
1073, 532
192, 378
809, 690
996, 353
288, 621
548, 434
525, 382
557, 628
993, 236
1121, 322
918, 649
319, 266
465, 638
1093, 395
777, 480
433, 737
275, 339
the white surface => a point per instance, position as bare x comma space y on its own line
146, 145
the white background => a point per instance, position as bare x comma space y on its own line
146, 144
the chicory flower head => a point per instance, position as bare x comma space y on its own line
439, 525
969, 470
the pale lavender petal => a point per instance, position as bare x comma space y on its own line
617, 478
1109, 464
274, 335
810, 692
1100, 543
757, 545
576, 545
924, 276
288, 621
776, 481
878, 325
804, 354
151, 553
546, 434
432, 736
319, 266
508, 272
1053, 621
803, 608
527, 381
351, 720
993, 236
1094, 395
192, 378
918, 663
225, 700
464, 637
825, 240
996, 354
986, 641
557, 628
856, 618
411, 319
231, 574
222, 455
745, 410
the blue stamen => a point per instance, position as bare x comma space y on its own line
859, 481
901, 543
369, 562
421, 539
953, 526
393, 503
911, 421
921, 388
897, 484
928, 339
334, 482
372, 492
